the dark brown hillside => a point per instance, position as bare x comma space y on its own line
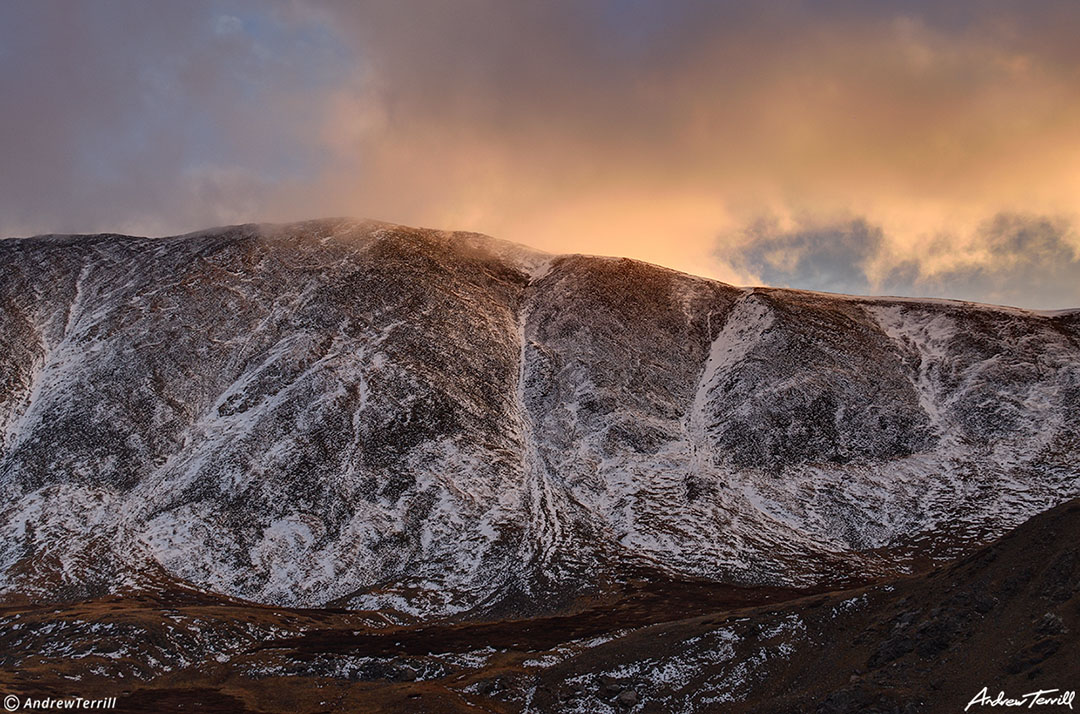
1004, 617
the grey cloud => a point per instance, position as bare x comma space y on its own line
1026, 260
116, 112
831, 257
1033, 262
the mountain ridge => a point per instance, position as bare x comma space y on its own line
435, 421
533, 255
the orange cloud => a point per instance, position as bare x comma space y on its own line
657, 130
924, 132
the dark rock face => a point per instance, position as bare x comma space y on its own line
820, 381
613, 341
392, 418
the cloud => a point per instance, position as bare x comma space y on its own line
1013, 259
1023, 260
113, 110
228, 25
832, 257
630, 127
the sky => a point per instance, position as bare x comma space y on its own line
890, 147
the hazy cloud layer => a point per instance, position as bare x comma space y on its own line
1023, 260
1015, 260
660, 130
833, 257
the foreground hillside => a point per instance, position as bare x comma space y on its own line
1005, 618
428, 424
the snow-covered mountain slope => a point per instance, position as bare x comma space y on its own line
399, 419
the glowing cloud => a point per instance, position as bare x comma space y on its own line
849, 146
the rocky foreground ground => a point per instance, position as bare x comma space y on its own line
1004, 617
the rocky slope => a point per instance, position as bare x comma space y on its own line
1000, 619
428, 423
1003, 618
